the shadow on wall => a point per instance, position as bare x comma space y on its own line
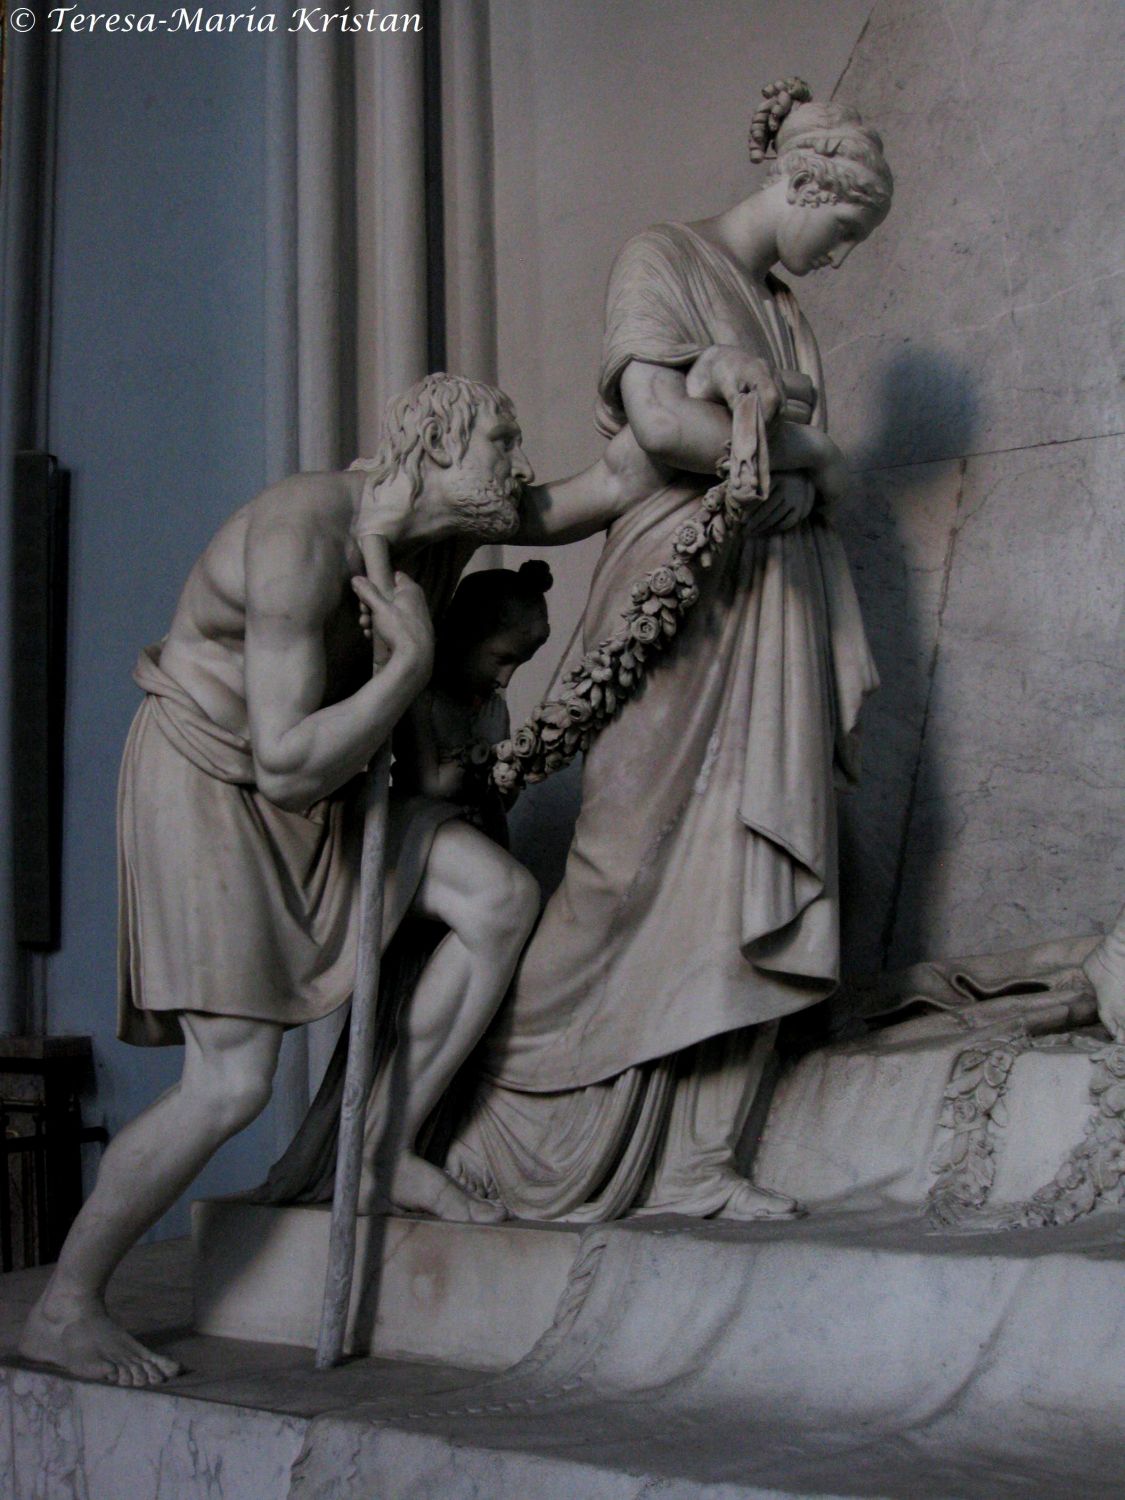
900, 528
928, 408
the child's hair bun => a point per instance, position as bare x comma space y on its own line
535, 576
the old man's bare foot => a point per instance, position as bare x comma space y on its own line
418, 1187
78, 1335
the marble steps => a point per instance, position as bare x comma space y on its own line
477, 1296
842, 1355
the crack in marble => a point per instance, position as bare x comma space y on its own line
1015, 310
952, 458
899, 878
852, 54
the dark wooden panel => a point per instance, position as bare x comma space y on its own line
39, 593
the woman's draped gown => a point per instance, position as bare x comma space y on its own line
700, 897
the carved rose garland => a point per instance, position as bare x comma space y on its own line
610, 673
1093, 1173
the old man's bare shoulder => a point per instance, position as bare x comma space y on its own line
291, 549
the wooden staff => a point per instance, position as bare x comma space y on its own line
361, 1032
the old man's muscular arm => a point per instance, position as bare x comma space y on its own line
566, 510
305, 748
677, 420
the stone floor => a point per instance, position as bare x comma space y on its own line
693, 1362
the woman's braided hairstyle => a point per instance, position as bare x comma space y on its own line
841, 156
780, 97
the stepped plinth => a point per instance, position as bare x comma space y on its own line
850, 1354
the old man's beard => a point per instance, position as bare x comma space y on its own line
488, 511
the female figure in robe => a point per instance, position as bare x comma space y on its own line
700, 899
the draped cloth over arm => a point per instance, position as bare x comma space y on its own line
700, 895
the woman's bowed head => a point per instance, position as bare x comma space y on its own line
828, 188
829, 168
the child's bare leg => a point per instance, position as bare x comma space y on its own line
490, 903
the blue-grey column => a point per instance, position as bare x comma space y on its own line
291, 1090
470, 218
391, 224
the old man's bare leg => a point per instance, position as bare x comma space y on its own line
227, 1074
489, 903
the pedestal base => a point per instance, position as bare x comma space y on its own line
473, 1295
850, 1355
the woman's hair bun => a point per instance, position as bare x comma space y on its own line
535, 576
779, 98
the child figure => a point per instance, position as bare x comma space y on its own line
496, 621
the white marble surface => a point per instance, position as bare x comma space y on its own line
973, 353
466, 1294
77, 1441
838, 1356
1048, 1110
1017, 828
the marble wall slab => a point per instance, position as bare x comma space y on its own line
986, 313
72, 1440
973, 350
1016, 829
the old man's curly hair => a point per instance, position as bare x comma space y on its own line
448, 402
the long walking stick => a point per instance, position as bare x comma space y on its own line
361, 1033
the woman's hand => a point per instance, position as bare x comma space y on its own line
724, 373
796, 447
790, 501
806, 464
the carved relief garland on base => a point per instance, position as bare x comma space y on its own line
1094, 1172
973, 1102
1092, 1175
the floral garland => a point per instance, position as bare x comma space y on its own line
1092, 1174
609, 675
966, 1162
